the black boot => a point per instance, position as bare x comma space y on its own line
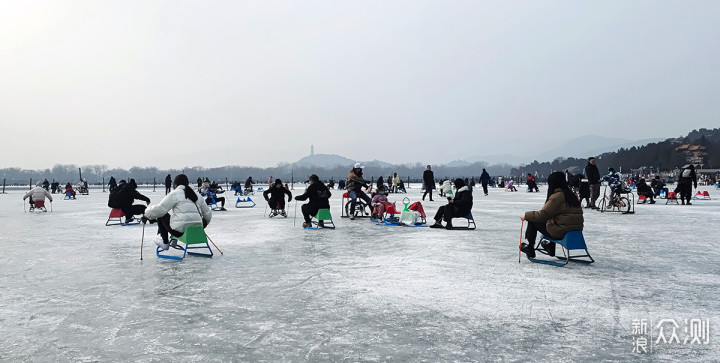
448, 225
528, 249
436, 225
549, 247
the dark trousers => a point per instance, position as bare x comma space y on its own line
308, 211
594, 194
133, 210
685, 192
485, 187
164, 228
220, 200
447, 213
428, 189
354, 195
274, 203
167, 189
532, 230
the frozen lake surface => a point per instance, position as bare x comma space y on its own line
72, 289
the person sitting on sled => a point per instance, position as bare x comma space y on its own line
459, 206
644, 189
510, 186
37, 194
379, 203
560, 214
213, 192
276, 201
69, 189
123, 198
187, 209
532, 184
318, 195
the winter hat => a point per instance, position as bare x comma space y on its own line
459, 183
314, 178
278, 182
132, 184
359, 166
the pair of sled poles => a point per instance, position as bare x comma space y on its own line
142, 241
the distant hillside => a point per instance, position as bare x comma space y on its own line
658, 155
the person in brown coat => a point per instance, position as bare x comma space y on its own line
560, 214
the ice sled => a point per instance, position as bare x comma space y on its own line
572, 240
39, 205
194, 235
470, 223
672, 198
277, 211
116, 217
701, 195
244, 203
324, 216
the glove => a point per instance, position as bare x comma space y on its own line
143, 219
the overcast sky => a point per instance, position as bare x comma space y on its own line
212, 83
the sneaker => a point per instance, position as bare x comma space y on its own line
321, 224
549, 247
688, 203
173, 243
306, 224
283, 214
436, 225
275, 213
222, 208
652, 202
352, 216
129, 220
162, 245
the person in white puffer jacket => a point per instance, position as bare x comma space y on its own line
187, 209
37, 193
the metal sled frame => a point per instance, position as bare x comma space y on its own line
194, 235
573, 240
238, 203
324, 216
471, 223
116, 216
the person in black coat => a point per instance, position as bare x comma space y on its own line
168, 184
593, 176
123, 198
318, 195
112, 184
460, 206
657, 185
644, 189
685, 183
277, 196
485, 179
429, 182
380, 182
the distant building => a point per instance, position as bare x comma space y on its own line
694, 154
312, 149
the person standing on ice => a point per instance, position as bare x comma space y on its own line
168, 184
46, 185
123, 198
428, 182
685, 183
395, 182
187, 209
277, 193
560, 214
459, 206
380, 182
318, 195
355, 183
484, 180
593, 176
37, 194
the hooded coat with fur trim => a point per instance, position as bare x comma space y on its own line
463, 201
184, 211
